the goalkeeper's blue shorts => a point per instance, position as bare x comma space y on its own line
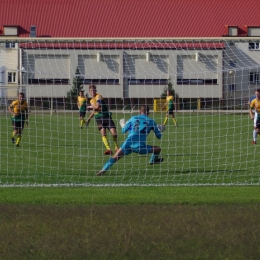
140, 148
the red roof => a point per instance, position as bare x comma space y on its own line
129, 18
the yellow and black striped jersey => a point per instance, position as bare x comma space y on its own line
170, 101
103, 110
82, 101
255, 104
20, 109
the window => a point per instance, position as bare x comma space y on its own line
101, 81
254, 77
134, 81
232, 87
11, 77
9, 45
196, 81
49, 81
232, 64
147, 81
253, 46
33, 31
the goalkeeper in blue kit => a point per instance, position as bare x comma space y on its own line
139, 128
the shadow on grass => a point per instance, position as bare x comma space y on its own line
202, 171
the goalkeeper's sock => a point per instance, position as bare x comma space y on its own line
154, 157
104, 139
165, 120
109, 164
115, 142
18, 140
175, 121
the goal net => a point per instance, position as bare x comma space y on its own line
208, 136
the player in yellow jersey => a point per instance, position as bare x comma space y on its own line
255, 104
255, 118
103, 118
82, 106
19, 111
171, 108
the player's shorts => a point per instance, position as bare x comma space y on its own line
141, 148
257, 124
105, 122
18, 124
170, 112
82, 114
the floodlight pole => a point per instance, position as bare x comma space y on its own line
77, 75
51, 99
22, 84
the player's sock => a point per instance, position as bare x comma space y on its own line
254, 135
104, 139
115, 142
174, 121
81, 122
13, 136
154, 157
165, 120
109, 164
18, 140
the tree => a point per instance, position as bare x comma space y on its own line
73, 94
170, 88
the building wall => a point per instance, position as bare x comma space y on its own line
194, 66
9, 61
239, 62
138, 73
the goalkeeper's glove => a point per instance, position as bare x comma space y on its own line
122, 122
161, 128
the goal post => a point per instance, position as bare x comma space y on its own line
158, 105
213, 79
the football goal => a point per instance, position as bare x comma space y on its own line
199, 89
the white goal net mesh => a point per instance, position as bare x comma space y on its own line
211, 80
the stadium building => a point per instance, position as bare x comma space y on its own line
140, 46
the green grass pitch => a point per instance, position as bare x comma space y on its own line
206, 149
